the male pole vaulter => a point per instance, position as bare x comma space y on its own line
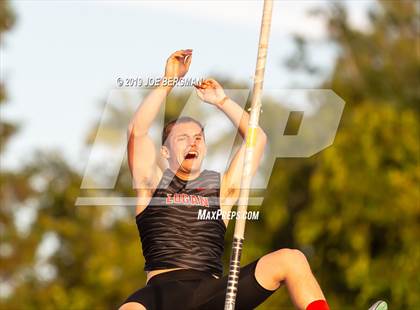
183, 253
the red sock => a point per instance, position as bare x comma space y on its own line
318, 305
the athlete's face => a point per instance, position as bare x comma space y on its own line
186, 148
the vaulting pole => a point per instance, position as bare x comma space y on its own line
238, 236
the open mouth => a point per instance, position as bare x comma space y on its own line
191, 155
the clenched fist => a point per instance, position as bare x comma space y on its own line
178, 64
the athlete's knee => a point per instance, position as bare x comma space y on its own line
281, 261
275, 267
292, 259
132, 306
297, 256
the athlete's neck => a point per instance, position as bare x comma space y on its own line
186, 176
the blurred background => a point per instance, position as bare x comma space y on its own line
353, 209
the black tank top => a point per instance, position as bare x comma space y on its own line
171, 233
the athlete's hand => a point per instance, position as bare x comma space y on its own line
178, 64
211, 92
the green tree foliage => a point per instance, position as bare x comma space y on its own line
94, 258
354, 208
90, 263
381, 63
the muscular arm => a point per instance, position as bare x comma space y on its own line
232, 178
142, 155
147, 111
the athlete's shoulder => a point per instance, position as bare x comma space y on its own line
210, 178
210, 173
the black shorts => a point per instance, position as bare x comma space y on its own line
192, 289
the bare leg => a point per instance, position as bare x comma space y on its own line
290, 267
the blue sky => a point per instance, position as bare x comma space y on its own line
61, 59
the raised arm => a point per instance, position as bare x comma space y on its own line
211, 92
142, 155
